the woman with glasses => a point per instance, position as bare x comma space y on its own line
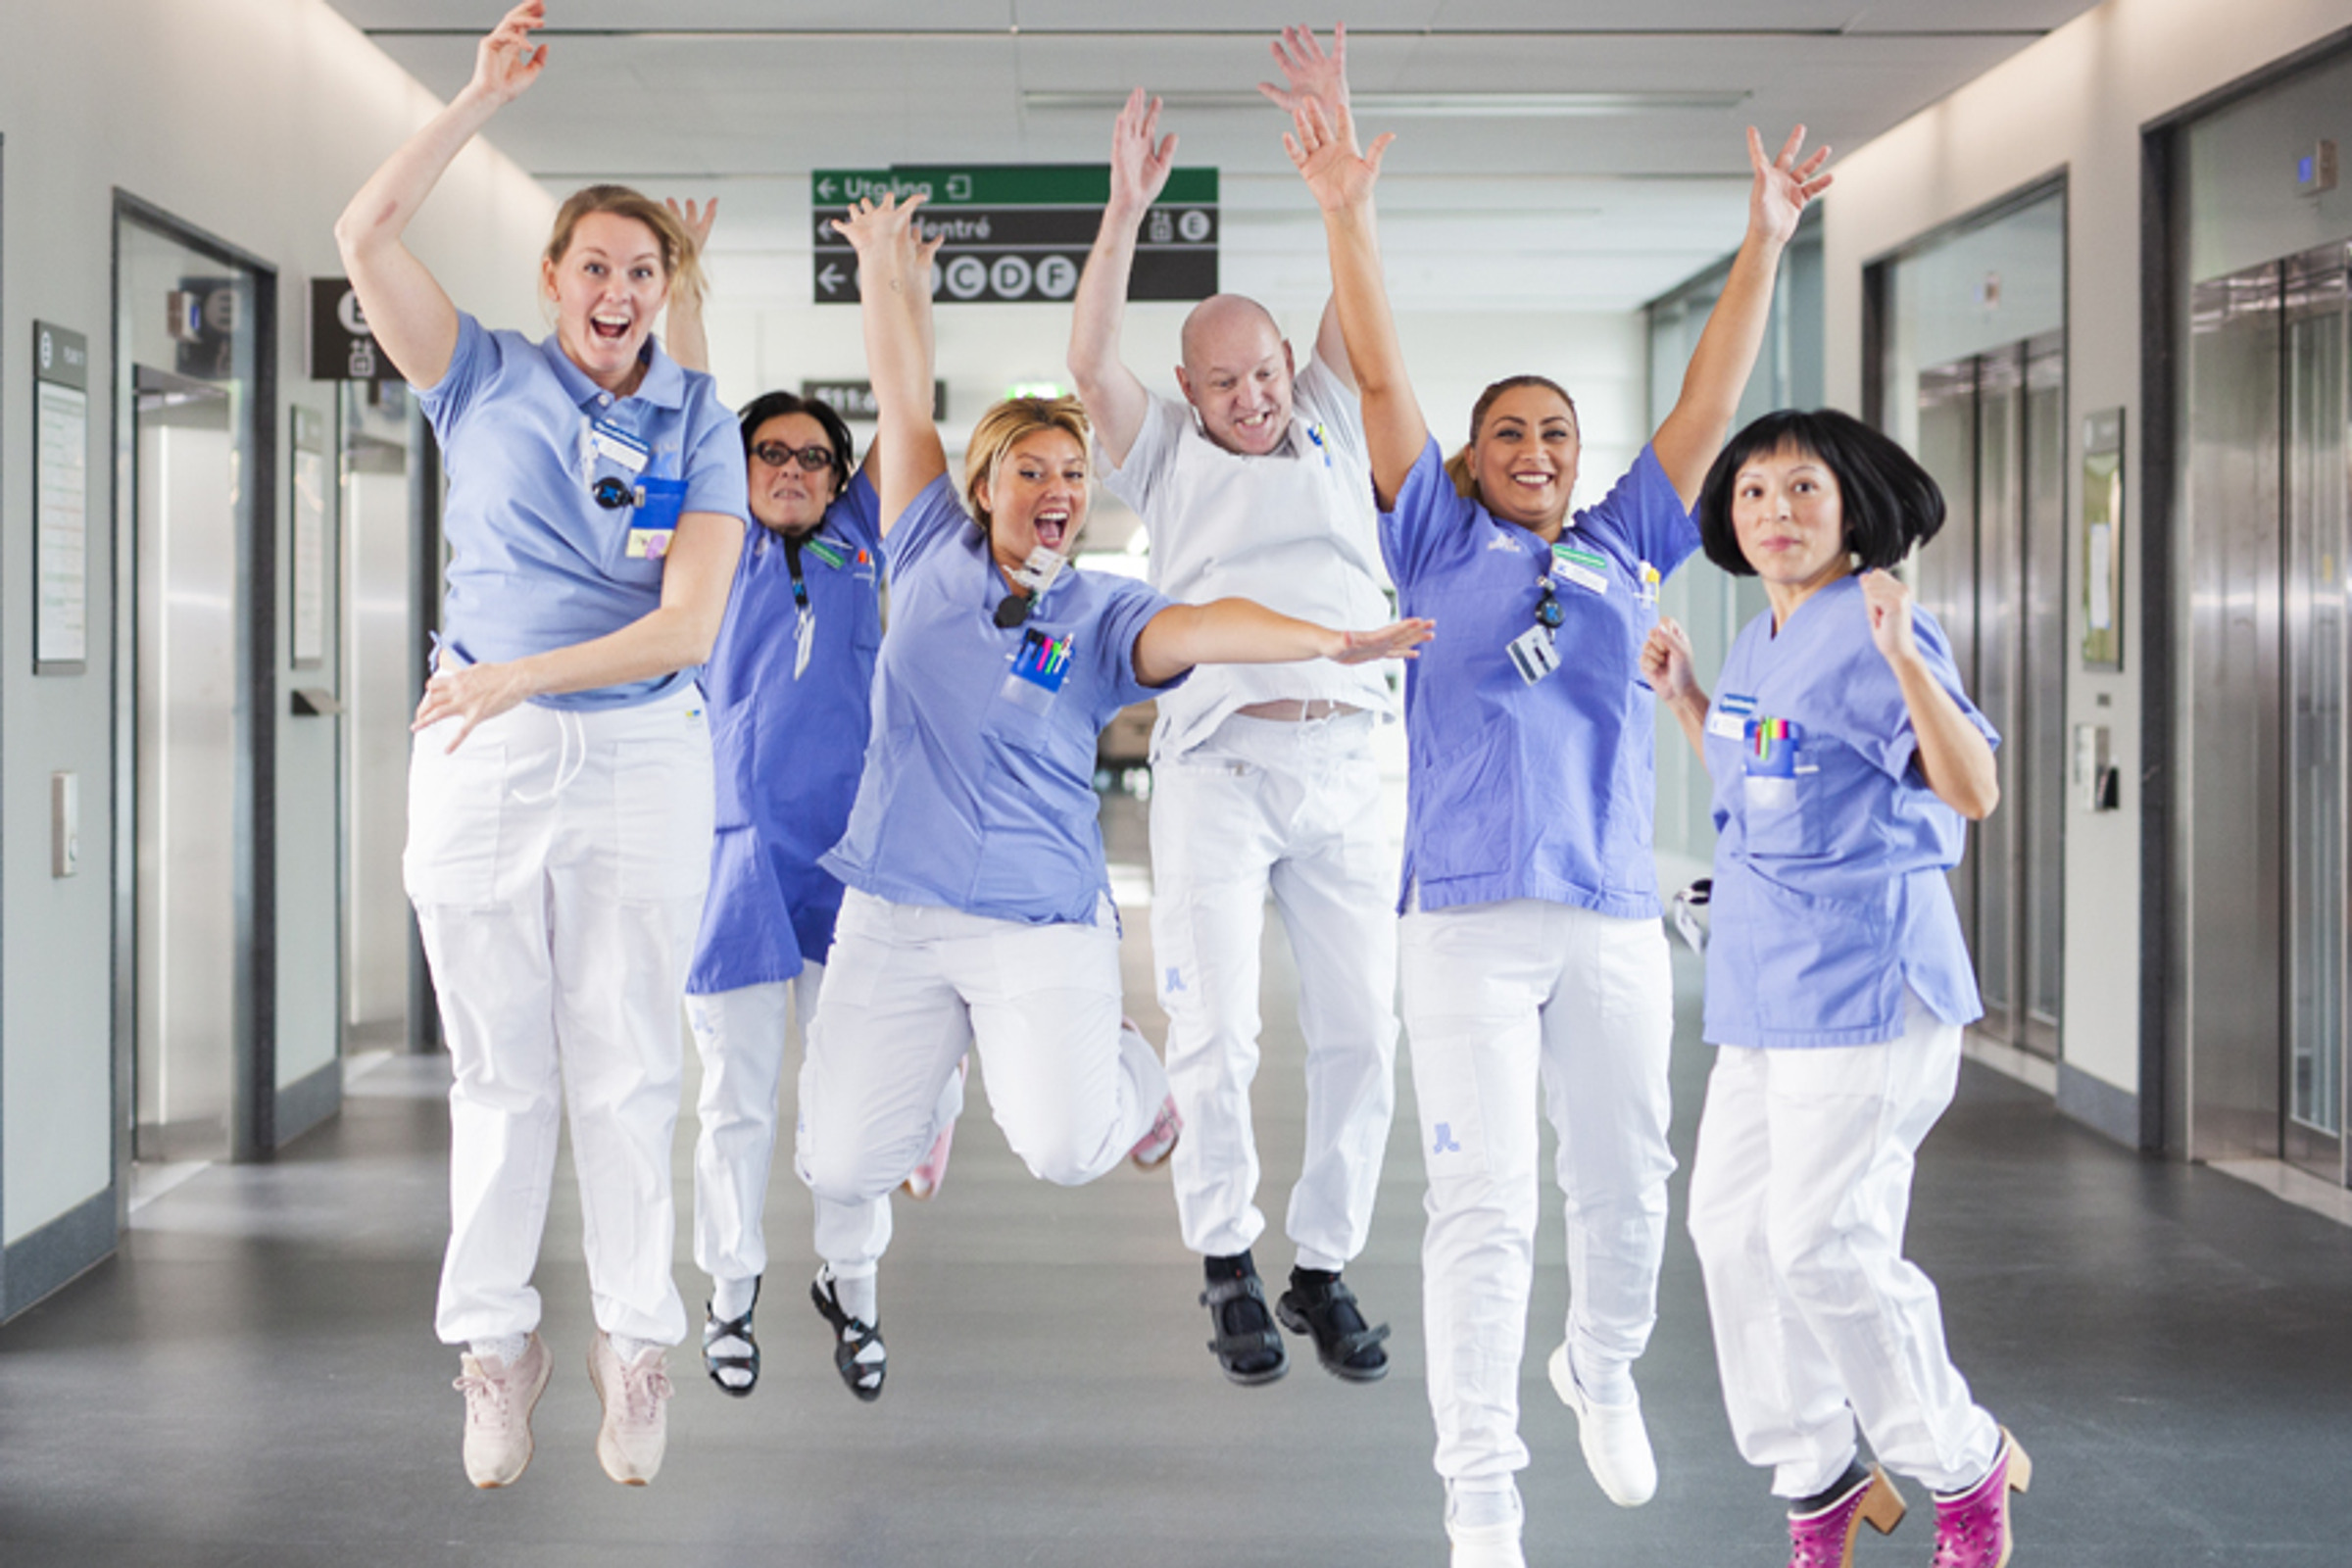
978, 915
1531, 953
790, 685
560, 792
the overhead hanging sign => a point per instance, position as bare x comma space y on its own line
1019, 234
342, 349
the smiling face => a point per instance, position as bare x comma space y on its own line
790, 499
607, 287
1525, 455
1037, 494
1790, 520
1237, 372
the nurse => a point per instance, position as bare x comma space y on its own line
789, 683
979, 912
1845, 755
560, 792
1531, 951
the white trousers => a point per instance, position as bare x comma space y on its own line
1501, 1000
741, 1036
909, 989
1293, 808
1798, 1196
556, 861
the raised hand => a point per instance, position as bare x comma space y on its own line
1313, 75
878, 229
1398, 639
1326, 158
1784, 186
1666, 662
1888, 601
1140, 157
698, 216
507, 62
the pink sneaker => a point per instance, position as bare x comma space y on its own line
1153, 1148
499, 1401
1971, 1529
1825, 1537
924, 1181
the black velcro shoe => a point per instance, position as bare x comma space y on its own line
1319, 1304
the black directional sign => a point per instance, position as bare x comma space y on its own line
1020, 232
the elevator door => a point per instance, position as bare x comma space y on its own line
1992, 431
381, 661
2264, 712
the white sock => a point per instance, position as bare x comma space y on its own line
1610, 1383
506, 1349
856, 1296
1491, 1505
731, 1298
630, 1350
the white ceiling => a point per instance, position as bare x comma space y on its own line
740, 99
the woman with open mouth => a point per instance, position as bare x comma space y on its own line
560, 792
1531, 953
978, 915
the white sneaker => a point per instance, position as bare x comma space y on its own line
1487, 1545
1616, 1444
1152, 1151
635, 1430
499, 1401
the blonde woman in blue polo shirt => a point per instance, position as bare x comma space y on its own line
978, 915
1533, 963
560, 792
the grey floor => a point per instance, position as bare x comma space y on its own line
254, 1379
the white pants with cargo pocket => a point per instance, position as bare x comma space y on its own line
558, 860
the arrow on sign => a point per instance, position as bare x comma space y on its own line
825, 188
830, 280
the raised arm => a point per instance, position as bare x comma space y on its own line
894, 290
1139, 161
405, 307
687, 342
1319, 76
1342, 180
1666, 665
1695, 431
1954, 757
1243, 631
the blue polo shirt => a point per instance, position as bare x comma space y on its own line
1831, 850
535, 562
1542, 790
978, 790
788, 742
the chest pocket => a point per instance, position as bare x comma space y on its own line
1780, 767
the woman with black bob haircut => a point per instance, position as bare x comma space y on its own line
1890, 505
1845, 757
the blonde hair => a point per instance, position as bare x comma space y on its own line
1459, 467
1005, 425
681, 257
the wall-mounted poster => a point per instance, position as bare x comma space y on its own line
2103, 540
61, 493
309, 539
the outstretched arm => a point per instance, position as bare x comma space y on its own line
1666, 665
1319, 76
894, 291
1243, 631
1693, 432
1139, 161
688, 343
1954, 757
1343, 180
405, 307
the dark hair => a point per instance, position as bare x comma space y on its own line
775, 405
1888, 501
1458, 467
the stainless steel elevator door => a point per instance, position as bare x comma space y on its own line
2314, 299
1946, 571
185, 531
2039, 806
2000, 503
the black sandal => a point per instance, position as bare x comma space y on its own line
849, 1337
1318, 1304
1240, 1349
735, 1328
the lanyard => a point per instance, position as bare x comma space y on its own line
805, 628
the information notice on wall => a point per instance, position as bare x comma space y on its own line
61, 492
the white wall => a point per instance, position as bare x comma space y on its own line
2074, 102
253, 120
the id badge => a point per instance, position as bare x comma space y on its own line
1728, 717
804, 642
1587, 568
655, 518
616, 445
1038, 667
1533, 655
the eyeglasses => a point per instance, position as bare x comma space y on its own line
1548, 608
614, 494
775, 453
